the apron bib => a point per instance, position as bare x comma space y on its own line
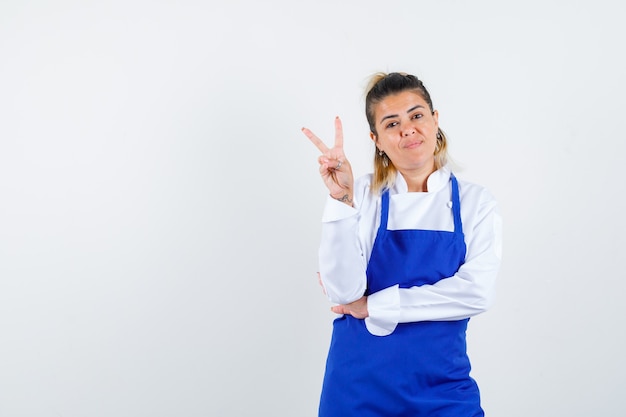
422, 368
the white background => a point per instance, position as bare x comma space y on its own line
160, 208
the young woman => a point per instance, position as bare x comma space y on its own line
408, 254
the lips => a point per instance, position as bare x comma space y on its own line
413, 144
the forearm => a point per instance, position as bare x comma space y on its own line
453, 298
470, 291
341, 262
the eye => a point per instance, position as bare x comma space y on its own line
392, 124
417, 116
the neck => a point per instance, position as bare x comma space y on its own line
417, 179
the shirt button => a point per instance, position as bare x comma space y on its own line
449, 204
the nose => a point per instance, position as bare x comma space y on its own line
408, 131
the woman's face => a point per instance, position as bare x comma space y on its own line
407, 131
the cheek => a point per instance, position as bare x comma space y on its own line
382, 142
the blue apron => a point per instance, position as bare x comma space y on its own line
422, 368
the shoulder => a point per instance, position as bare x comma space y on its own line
469, 186
475, 195
363, 182
363, 195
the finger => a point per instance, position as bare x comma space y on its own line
323, 167
332, 164
325, 160
328, 173
316, 141
337, 309
338, 133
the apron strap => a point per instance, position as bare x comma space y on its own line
384, 210
456, 205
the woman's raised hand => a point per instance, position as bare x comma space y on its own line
335, 169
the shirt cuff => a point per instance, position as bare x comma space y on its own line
384, 311
336, 210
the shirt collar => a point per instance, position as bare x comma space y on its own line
436, 181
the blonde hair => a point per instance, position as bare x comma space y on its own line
380, 86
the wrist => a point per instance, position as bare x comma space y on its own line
345, 198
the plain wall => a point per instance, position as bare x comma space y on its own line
160, 208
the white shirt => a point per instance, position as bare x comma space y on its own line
348, 235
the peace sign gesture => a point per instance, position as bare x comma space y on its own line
335, 169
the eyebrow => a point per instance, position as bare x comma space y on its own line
390, 116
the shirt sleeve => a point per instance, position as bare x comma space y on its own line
342, 262
468, 292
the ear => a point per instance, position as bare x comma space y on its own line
436, 117
373, 137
